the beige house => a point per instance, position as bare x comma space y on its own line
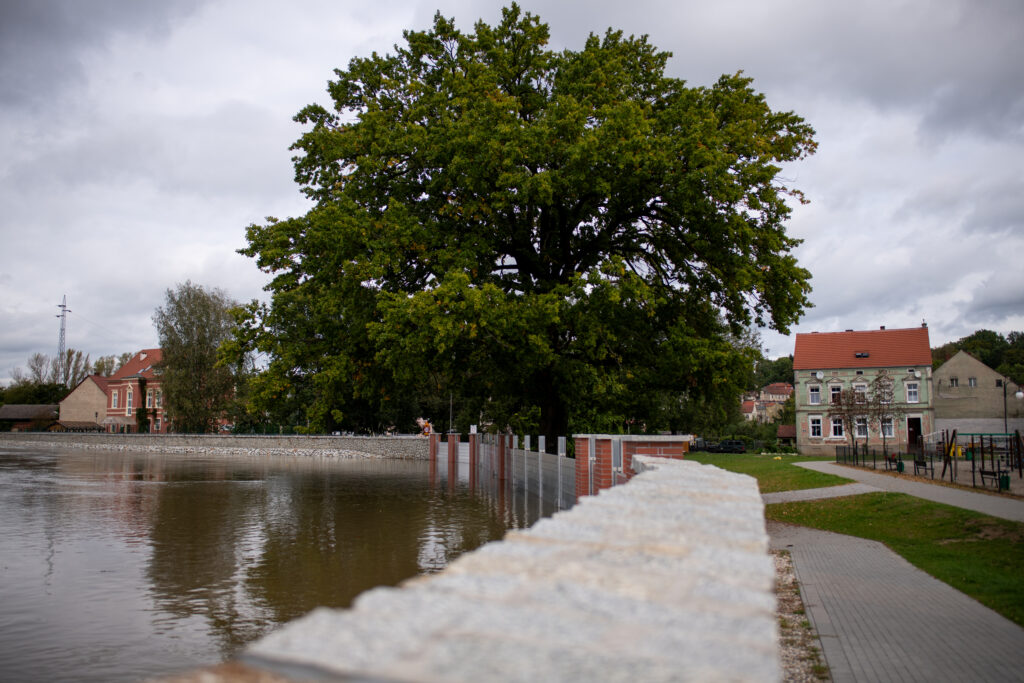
973, 398
86, 405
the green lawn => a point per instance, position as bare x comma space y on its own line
771, 474
978, 555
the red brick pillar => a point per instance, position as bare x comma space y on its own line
582, 444
502, 445
435, 441
474, 459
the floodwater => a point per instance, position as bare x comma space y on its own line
120, 566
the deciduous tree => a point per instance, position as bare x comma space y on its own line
572, 232
191, 325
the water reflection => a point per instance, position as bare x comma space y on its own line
120, 566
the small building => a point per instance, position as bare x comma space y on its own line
973, 398
25, 417
826, 363
86, 405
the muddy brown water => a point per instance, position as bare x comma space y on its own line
122, 566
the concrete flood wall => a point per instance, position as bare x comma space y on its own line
397, 447
664, 578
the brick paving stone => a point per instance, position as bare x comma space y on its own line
879, 618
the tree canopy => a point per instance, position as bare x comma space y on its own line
572, 240
191, 325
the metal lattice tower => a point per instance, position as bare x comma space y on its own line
61, 361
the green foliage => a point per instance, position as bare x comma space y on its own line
520, 228
976, 554
36, 394
191, 325
767, 371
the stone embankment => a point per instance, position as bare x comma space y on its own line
392, 447
666, 578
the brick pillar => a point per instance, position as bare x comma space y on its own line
502, 445
435, 441
582, 467
474, 459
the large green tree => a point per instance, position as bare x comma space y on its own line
191, 325
562, 237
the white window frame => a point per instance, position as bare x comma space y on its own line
954, 381
156, 424
861, 427
972, 382
913, 392
129, 395
835, 394
837, 431
149, 398
886, 428
159, 398
861, 391
812, 422
114, 399
814, 392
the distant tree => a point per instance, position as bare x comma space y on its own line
852, 407
768, 371
108, 365
883, 407
35, 393
191, 325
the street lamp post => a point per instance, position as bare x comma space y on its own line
1019, 395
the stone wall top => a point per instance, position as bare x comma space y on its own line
665, 578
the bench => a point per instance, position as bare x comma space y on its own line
923, 465
994, 475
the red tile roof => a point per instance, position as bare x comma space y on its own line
786, 432
867, 349
778, 388
140, 364
748, 406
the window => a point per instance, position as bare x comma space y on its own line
815, 421
837, 427
159, 398
887, 428
861, 392
954, 381
972, 381
999, 383
156, 425
128, 401
837, 393
862, 428
814, 395
912, 395
149, 398
113, 398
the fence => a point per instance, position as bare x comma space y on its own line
600, 461
989, 459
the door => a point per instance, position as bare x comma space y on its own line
913, 434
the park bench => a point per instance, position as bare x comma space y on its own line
922, 464
893, 462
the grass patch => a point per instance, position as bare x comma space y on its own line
772, 475
977, 554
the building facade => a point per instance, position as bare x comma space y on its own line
971, 397
827, 363
136, 387
86, 404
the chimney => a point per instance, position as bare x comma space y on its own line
882, 327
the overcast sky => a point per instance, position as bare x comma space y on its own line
139, 140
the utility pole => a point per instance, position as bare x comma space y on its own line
61, 361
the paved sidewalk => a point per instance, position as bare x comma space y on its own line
881, 619
997, 506
817, 494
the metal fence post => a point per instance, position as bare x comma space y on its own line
560, 457
591, 456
